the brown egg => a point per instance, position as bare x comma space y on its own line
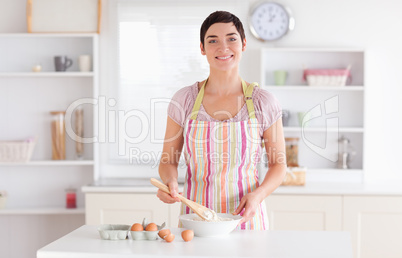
151, 227
187, 235
169, 238
137, 227
163, 233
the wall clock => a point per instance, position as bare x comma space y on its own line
270, 21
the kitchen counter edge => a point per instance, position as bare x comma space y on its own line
314, 188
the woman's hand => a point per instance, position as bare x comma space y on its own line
248, 206
172, 197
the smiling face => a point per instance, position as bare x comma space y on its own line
223, 46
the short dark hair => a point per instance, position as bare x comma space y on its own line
221, 17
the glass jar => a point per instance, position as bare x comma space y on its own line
292, 152
58, 135
79, 131
71, 198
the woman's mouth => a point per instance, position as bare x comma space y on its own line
224, 57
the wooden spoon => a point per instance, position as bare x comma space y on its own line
202, 211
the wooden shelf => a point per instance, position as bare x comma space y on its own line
41, 211
315, 49
46, 74
51, 163
313, 88
334, 175
334, 170
50, 35
324, 129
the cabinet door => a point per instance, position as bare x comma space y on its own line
304, 212
105, 208
375, 223
174, 213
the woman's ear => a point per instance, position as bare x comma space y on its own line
244, 44
202, 49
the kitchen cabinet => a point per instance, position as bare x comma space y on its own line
339, 110
372, 213
375, 223
301, 212
36, 189
121, 208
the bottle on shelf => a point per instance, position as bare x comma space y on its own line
79, 131
292, 151
58, 135
71, 198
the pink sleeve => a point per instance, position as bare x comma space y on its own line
267, 108
179, 106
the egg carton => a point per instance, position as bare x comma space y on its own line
120, 232
113, 231
146, 235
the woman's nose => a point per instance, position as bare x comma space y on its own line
223, 46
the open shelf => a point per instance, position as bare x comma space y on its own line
47, 35
46, 74
51, 163
324, 129
334, 170
314, 88
334, 175
41, 211
336, 111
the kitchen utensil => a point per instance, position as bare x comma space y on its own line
61, 63
304, 118
202, 211
285, 117
85, 63
210, 228
346, 153
280, 77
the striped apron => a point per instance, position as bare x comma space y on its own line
222, 160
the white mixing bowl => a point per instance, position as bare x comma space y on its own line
207, 228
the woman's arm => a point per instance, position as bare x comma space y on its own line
172, 147
275, 147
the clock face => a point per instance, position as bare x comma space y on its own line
270, 21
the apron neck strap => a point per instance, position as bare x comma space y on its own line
247, 91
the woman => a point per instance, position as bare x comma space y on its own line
222, 122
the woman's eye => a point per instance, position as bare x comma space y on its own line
232, 39
212, 41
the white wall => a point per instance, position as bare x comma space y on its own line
369, 24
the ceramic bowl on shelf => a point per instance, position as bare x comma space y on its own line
210, 228
114, 231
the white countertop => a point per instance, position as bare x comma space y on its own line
85, 242
311, 188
